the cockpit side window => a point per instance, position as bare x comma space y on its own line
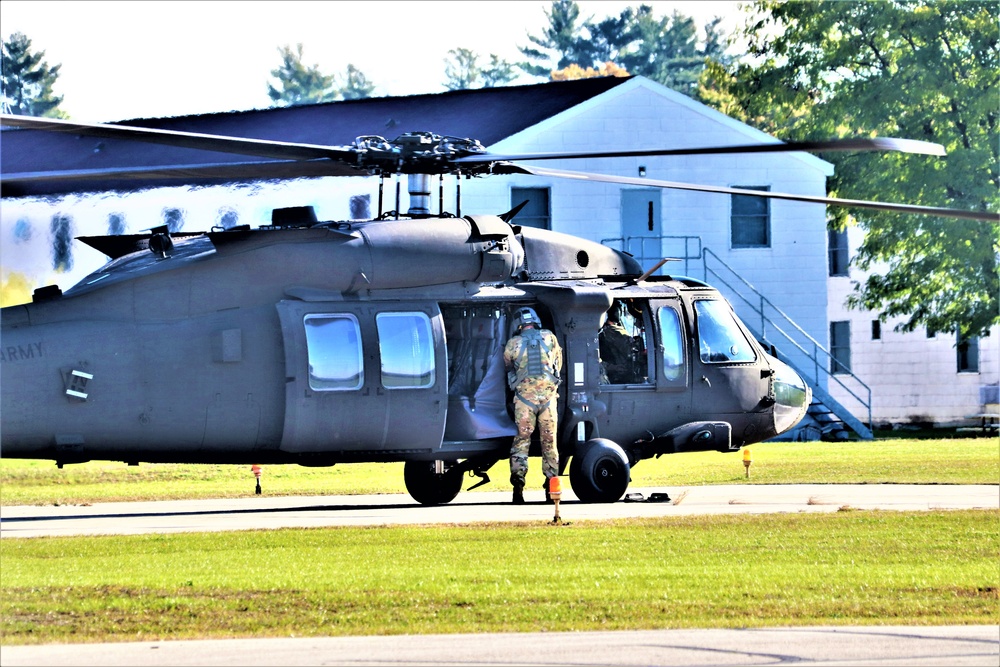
720, 339
623, 344
334, 346
672, 344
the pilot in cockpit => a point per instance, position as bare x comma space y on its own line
616, 349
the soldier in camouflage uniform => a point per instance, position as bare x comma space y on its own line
616, 350
534, 360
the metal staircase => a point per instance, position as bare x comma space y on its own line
827, 418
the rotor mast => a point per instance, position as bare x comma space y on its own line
421, 156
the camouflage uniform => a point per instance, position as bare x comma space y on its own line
534, 400
616, 353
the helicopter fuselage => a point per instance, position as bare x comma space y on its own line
376, 341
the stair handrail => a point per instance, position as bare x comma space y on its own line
626, 243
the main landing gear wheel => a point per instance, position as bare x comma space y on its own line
428, 487
599, 471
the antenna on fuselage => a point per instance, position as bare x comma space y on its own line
656, 268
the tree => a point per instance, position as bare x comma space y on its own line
917, 69
574, 72
28, 80
463, 71
299, 84
665, 49
498, 73
356, 85
563, 36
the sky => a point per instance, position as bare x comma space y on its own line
122, 60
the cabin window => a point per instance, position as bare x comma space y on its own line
334, 346
536, 213
967, 348
840, 348
750, 219
720, 338
672, 339
406, 345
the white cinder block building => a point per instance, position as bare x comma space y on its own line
916, 378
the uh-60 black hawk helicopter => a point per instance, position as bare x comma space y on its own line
323, 342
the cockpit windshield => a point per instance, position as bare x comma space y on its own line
720, 339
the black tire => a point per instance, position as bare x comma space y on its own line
599, 472
429, 488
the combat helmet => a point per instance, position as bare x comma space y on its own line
524, 317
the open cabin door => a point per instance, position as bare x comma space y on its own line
363, 377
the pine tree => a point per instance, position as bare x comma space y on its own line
27, 80
562, 36
356, 85
297, 83
463, 71
665, 49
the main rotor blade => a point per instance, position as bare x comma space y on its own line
828, 201
131, 178
877, 144
280, 150
222, 172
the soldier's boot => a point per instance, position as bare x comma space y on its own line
545, 487
518, 495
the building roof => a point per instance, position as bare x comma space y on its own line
486, 114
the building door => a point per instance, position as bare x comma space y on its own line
641, 229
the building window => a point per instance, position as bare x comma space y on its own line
967, 349
876, 330
361, 207
840, 348
750, 219
839, 254
536, 213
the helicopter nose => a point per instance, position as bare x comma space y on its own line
792, 397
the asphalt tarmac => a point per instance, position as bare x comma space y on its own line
266, 512
882, 645
955, 646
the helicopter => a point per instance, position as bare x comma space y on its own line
321, 342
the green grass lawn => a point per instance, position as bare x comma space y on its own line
915, 461
848, 567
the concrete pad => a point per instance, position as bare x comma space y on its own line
266, 512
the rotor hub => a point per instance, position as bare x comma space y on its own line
417, 153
